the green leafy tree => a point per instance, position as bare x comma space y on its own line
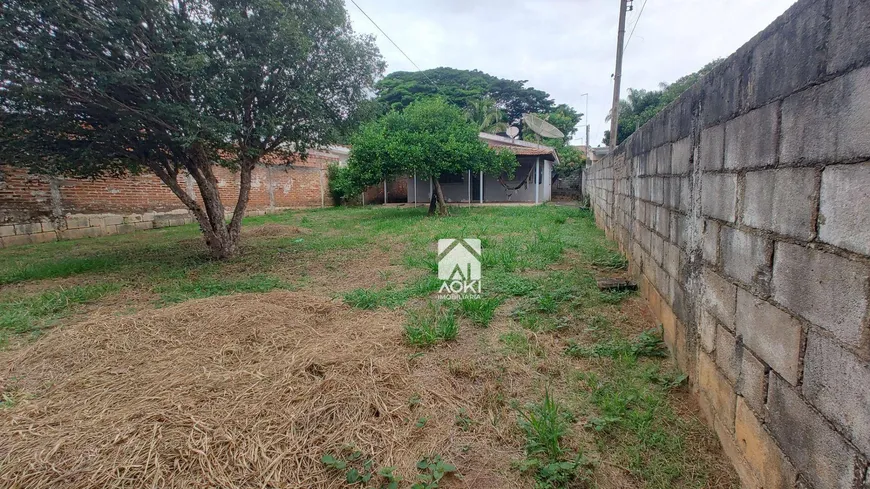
96, 88
485, 115
460, 87
642, 105
570, 166
431, 137
565, 119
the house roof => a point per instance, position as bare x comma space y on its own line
519, 147
519, 150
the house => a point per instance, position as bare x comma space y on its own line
531, 183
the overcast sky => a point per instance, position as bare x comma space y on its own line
565, 47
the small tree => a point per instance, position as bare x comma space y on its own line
94, 88
429, 138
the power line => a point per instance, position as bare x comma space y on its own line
632, 27
394, 43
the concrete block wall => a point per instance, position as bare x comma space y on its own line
38, 208
744, 208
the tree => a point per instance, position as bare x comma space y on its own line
485, 115
430, 138
96, 88
460, 87
642, 105
570, 166
565, 119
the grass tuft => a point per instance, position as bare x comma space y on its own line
479, 311
544, 424
433, 324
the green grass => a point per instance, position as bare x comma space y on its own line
630, 410
479, 311
393, 295
59, 268
541, 260
431, 325
545, 424
31, 314
207, 287
647, 344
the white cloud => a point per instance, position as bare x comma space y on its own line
565, 47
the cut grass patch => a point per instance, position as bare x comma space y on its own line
391, 296
207, 287
59, 267
36, 312
543, 260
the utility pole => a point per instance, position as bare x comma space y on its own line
617, 75
586, 119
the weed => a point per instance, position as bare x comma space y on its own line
391, 296
433, 470
462, 420
598, 324
546, 303
550, 475
415, 400
633, 414
421, 422
8, 400
510, 284
500, 257
358, 472
431, 325
544, 425
479, 311
647, 344
614, 296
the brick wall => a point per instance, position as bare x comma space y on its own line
745, 210
37, 208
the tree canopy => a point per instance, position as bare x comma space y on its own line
429, 138
97, 87
642, 105
464, 88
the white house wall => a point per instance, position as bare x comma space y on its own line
493, 191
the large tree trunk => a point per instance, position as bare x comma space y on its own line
222, 238
433, 202
442, 206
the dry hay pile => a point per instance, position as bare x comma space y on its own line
241, 391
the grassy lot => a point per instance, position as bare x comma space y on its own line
591, 399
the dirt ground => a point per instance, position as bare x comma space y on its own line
253, 389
